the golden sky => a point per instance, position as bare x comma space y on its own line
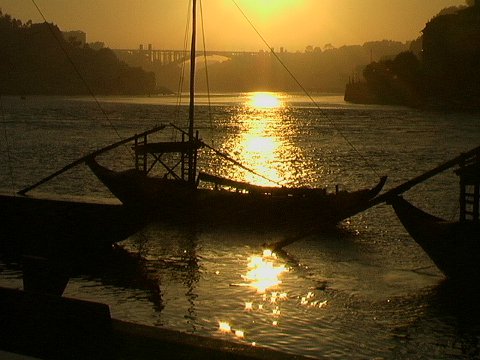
292, 24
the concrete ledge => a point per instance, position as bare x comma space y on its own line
53, 327
144, 342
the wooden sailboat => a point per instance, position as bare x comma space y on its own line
63, 228
454, 246
182, 189
52, 237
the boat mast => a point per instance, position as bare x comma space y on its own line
191, 114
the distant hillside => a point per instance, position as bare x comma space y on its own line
33, 59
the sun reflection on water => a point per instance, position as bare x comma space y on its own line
224, 326
263, 273
262, 138
269, 307
265, 100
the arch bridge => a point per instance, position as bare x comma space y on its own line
166, 57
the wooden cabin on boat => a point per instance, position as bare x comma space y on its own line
181, 154
469, 174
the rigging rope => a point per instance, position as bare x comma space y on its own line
7, 145
317, 106
207, 79
231, 159
206, 71
182, 72
224, 155
79, 74
5, 133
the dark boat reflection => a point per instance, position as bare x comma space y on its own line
117, 267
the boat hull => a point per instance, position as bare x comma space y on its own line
58, 228
290, 207
454, 247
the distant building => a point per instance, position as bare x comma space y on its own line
78, 37
98, 45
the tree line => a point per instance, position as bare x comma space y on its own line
445, 74
36, 59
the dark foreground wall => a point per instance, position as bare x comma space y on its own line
52, 327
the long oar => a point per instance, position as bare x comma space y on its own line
291, 239
400, 189
84, 158
407, 185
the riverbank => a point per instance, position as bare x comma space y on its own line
362, 93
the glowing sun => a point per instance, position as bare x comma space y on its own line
269, 8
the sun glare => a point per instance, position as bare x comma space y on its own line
224, 327
263, 273
265, 100
270, 8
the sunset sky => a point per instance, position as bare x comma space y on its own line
292, 24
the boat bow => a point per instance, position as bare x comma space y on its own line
454, 247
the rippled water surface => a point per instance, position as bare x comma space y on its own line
365, 291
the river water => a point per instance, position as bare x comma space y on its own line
366, 291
